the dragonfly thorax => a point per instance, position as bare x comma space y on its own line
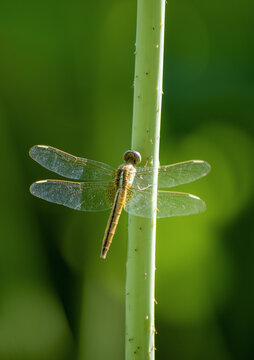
125, 175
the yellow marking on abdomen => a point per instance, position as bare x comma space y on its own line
113, 221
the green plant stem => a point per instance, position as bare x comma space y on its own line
140, 269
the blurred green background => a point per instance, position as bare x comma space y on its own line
66, 72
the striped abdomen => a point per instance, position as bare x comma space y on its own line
117, 208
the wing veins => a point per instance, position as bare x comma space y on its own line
70, 166
84, 196
169, 203
172, 175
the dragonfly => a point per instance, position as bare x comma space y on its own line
101, 187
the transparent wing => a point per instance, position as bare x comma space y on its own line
172, 175
168, 203
75, 195
70, 166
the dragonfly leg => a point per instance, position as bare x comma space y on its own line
144, 188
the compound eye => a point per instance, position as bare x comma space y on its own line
133, 157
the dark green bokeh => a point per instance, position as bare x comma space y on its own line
66, 73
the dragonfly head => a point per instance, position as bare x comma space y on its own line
132, 157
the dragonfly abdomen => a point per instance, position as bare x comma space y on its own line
113, 221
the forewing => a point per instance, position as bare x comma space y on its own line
168, 204
75, 195
172, 175
70, 166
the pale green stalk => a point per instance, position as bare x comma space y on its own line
140, 328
